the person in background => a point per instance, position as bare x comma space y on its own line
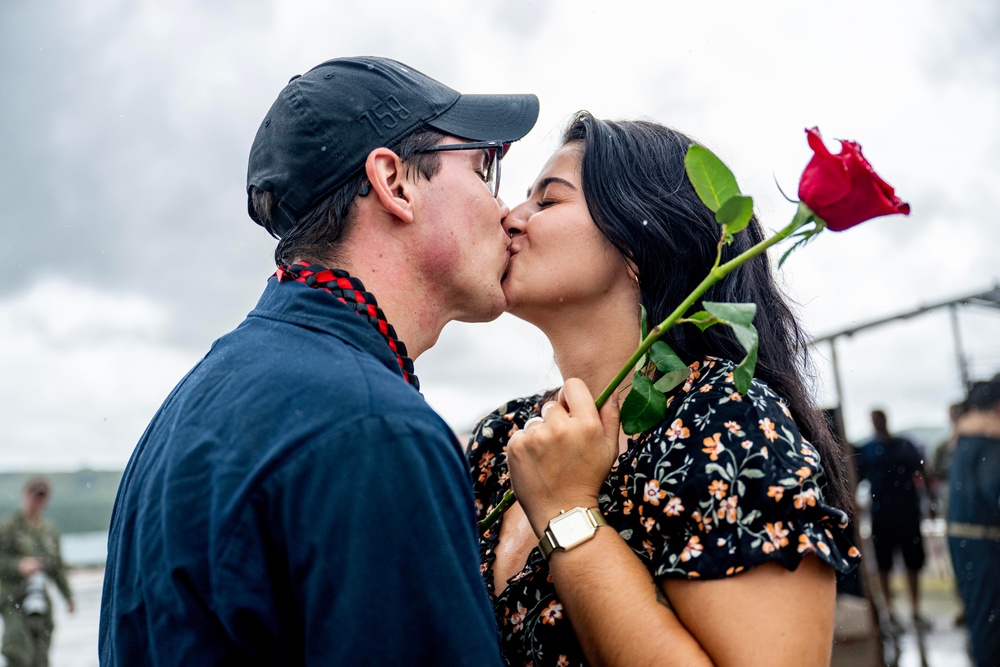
974, 519
29, 557
894, 468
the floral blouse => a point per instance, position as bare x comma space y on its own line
723, 484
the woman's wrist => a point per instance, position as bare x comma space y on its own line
540, 516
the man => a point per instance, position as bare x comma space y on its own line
29, 555
295, 501
974, 518
895, 470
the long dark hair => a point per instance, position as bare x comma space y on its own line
639, 196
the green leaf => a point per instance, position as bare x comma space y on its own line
746, 334
711, 179
665, 358
702, 315
644, 407
670, 380
735, 213
731, 313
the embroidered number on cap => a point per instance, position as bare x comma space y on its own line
385, 114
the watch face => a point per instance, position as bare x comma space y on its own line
572, 528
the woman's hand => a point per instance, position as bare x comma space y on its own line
559, 461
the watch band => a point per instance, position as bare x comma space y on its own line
550, 542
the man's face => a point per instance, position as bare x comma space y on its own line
35, 501
463, 245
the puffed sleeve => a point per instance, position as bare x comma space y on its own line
727, 483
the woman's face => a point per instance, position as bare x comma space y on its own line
559, 258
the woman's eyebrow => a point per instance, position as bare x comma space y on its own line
549, 180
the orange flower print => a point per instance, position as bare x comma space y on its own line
805, 544
677, 431
653, 493
805, 499
784, 408
735, 396
746, 444
649, 523
673, 507
727, 509
552, 613
563, 661
823, 547
705, 388
479, 506
734, 428
648, 547
734, 570
693, 549
517, 619
627, 507
775, 492
718, 489
486, 466
696, 517
504, 476
729, 378
695, 373
778, 536
804, 472
853, 552
763, 452
713, 446
767, 426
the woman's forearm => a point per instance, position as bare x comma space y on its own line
618, 612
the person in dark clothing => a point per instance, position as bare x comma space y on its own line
295, 501
894, 468
974, 519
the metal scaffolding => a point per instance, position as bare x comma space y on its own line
988, 299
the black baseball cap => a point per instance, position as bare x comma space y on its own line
320, 130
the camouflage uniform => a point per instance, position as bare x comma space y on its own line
26, 636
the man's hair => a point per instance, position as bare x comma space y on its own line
317, 235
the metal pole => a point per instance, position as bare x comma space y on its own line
963, 368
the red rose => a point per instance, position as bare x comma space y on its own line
843, 190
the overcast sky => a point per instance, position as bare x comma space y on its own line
125, 127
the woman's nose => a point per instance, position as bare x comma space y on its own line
513, 222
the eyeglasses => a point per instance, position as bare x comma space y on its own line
495, 152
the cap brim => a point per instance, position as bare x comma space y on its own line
489, 117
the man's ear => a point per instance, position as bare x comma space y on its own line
387, 175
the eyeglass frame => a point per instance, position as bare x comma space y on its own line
500, 149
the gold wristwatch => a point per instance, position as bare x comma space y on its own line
571, 529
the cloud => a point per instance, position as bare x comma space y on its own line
83, 370
125, 130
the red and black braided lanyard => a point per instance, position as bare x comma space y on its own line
349, 290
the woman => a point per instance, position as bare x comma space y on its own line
724, 535
974, 518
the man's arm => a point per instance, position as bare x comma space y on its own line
56, 569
